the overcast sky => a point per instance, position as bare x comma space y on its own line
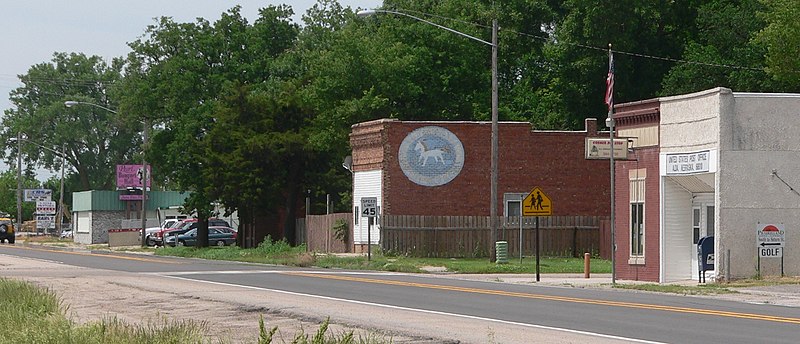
32, 30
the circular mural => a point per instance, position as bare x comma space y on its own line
431, 156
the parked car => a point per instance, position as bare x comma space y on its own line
66, 233
6, 229
217, 236
150, 233
183, 227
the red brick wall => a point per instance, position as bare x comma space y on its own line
647, 159
554, 161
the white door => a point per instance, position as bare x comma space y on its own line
702, 226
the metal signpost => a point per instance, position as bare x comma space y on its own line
369, 209
537, 204
770, 242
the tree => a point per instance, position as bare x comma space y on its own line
95, 140
577, 62
8, 199
724, 34
781, 40
180, 71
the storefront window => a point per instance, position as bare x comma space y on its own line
636, 180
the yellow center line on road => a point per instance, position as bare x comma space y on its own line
559, 298
90, 254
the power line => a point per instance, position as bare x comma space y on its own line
601, 49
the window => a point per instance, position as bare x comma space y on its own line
636, 180
511, 204
637, 229
357, 215
513, 208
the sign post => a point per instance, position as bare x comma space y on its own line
537, 204
770, 242
369, 209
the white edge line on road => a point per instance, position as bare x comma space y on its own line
608, 336
236, 272
35, 259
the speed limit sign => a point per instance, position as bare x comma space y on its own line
369, 207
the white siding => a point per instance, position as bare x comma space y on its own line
366, 184
677, 232
84, 222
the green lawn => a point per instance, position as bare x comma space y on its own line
270, 252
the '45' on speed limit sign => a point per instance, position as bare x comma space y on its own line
369, 207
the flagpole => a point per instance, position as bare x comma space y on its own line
610, 124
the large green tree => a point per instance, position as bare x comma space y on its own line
179, 76
95, 140
721, 52
781, 40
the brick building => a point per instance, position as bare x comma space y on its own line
443, 168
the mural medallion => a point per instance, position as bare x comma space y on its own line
431, 156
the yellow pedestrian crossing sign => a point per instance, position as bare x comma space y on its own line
537, 204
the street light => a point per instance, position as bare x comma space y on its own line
71, 103
63, 155
494, 172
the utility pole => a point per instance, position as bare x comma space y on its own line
19, 180
145, 177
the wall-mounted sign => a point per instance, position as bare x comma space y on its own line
431, 156
688, 163
597, 148
33, 195
130, 176
131, 197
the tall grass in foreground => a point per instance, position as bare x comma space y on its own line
30, 314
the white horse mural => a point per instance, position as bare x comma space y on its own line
425, 153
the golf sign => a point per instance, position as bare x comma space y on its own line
770, 240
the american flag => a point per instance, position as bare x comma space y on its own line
610, 83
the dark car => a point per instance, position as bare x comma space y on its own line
183, 227
217, 236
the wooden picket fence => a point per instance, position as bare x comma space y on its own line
469, 236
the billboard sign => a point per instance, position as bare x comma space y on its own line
46, 207
130, 176
45, 222
33, 195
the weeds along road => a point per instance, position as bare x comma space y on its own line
407, 308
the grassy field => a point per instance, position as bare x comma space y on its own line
278, 252
36, 315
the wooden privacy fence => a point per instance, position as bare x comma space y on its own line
317, 232
469, 236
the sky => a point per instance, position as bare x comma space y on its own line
32, 30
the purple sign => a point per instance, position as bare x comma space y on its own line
130, 176
131, 197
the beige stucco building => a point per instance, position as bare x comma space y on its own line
728, 166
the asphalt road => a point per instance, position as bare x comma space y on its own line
616, 314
